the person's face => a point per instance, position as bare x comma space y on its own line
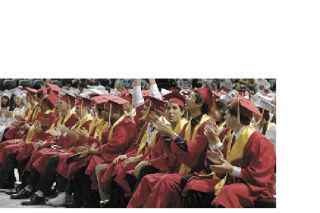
116, 114
44, 106
78, 110
231, 121
105, 113
218, 115
18, 101
214, 86
191, 102
4, 100
173, 112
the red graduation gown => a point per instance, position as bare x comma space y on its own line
66, 142
120, 143
257, 172
166, 187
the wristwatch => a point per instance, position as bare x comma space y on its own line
175, 136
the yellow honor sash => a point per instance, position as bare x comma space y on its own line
98, 133
183, 168
115, 124
236, 152
93, 124
269, 125
31, 131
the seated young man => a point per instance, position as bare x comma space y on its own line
242, 161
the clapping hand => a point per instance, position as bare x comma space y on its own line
212, 133
221, 165
162, 127
82, 133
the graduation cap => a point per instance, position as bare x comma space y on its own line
125, 94
83, 100
30, 91
223, 88
207, 94
42, 91
7, 93
176, 97
156, 103
247, 108
264, 102
68, 97
108, 99
54, 88
165, 91
51, 99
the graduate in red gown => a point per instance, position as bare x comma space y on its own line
37, 132
150, 190
145, 141
243, 162
48, 162
116, 140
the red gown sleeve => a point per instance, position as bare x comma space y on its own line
259, 173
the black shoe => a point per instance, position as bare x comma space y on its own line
23, 194
105, 204
11, 192
35, 200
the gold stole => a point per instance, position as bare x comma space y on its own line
143, 142
79, 124
115, 124
236, 152
98, 132
93, 124
60, 120
221, 126
31, 131
33, 112
183, 168
84, 120
269, 125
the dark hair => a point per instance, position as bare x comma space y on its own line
266, 117
12, 103
233, 112
199, 100
220, 104
8, 101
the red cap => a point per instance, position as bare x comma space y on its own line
125, 94
177, 98
108, 99
223, 89
54, 87
68, 98
42, 91
213, 93
206, 95
155, 103
30, 90
247, 108
83, 101
51, 99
